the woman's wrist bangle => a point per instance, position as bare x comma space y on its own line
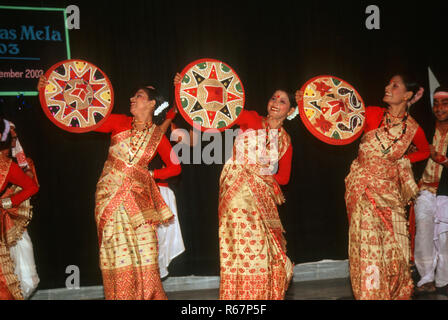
6, 203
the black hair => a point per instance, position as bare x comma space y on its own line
153, 94
441, 88
160, 118
410, 83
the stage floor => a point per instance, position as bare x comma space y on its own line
322, 280
333, 289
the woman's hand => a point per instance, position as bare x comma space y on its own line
171, 114
299, 95
29, 173
412, 148
417, 96
432, 151
43, 82
177, 79
437, 157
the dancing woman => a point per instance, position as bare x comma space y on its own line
253, 260
15, 214
15, 226
128, 204
378, 188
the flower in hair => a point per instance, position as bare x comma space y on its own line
294, 114
160, 108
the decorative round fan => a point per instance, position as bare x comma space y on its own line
78, 97
332, 110
210, 94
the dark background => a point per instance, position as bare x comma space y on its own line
270, 45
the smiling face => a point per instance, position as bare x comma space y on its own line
440, 107
279, 106
140, 104
395, 92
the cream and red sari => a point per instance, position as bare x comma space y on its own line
378, 188
433, 171
13, 222
253, 259
128, 209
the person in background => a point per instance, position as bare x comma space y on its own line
169, 234
431, 207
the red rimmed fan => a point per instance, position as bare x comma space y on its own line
210, 94
332, 110
78, 97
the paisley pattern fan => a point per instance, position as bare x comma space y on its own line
78, 97
210, 94
332, 110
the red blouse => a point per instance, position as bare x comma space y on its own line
117, 123
252, 120
374, 115
18, 177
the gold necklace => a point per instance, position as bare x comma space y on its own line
267, 128
387, 126
134, 148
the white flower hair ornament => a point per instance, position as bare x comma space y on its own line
160, 108
5, 132
294, 114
